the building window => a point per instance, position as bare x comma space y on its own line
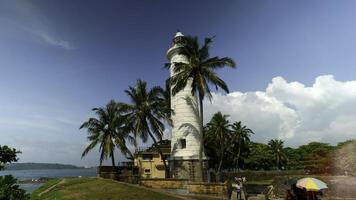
147, 157
147, 171
183, 143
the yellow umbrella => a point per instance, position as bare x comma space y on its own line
311, 184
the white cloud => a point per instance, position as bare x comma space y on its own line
49, 39
27, 16
325, 111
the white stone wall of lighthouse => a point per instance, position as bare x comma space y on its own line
186, 120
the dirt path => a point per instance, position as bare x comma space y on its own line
51, 188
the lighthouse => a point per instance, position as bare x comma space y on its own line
186, 131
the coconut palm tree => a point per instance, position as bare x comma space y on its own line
108, 131
199, 74
217, 132
240, 136
276, 145
146, 113
167, 98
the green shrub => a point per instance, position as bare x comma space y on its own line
9, 190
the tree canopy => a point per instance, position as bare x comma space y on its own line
9, 189
107, 131
7, 155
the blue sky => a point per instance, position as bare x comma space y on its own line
59, 59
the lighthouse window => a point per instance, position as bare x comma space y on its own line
183, 143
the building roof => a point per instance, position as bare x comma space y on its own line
164, 145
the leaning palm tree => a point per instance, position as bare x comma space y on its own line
146, 113
167, 99
240, 136
217, 132
199, 74
108, 131
277, 148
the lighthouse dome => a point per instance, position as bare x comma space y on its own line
179, 34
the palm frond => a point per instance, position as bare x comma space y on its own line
204, 50
216, 63
90, 147
167, 65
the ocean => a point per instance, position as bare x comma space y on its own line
48, 173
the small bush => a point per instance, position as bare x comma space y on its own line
9, 190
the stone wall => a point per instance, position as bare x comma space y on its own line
164, 183
202, 188
188, 169
127, 174
207, 188
260, 175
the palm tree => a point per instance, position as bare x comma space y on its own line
241, 136
145, 114
199, 74
108, 131
167, 98
276, 145
218, 133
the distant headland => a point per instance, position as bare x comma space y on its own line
30, 166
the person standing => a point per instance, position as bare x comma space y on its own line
238, 187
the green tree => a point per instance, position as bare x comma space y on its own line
108, 131
260, 157
199, 74
218, 134
316, 157
9, 190
241, 136
294, 159
146, 113
7, 155
315, 148
277, 148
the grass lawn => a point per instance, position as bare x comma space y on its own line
93, 189
43, 188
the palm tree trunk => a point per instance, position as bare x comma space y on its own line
219, 169
201, 149
221, 157
112, 158
278, 163
238, 157
160, 153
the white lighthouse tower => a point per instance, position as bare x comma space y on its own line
186, 131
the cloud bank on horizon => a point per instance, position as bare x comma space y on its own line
293, 112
